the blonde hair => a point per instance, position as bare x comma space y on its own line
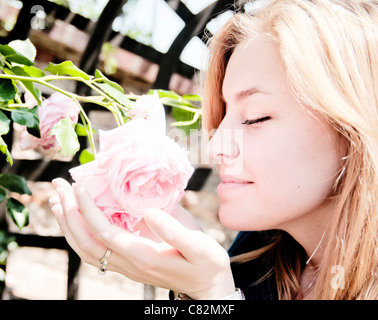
330, 52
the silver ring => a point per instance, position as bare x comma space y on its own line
104, 262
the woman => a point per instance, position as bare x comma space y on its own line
291, 94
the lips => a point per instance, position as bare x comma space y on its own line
234, 180
230, 184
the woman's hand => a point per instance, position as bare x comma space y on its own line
171, 252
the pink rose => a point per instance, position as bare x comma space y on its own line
52, 110
147, 107
137, 167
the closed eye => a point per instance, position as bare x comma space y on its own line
254, 121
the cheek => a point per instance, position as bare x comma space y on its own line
293, 175
300, 179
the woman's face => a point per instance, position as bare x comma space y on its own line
278, 161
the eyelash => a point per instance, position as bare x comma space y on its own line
254, 121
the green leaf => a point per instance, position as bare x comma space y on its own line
86, 156
192, 97
7, 243
173, 99
33, 71
12, 55
67, 68
114, 94
103, 79
165, 94
5, 151
29, 118
183, 110
14, 183
25, 47
82, 131
4, 129
19, 71
18, 213
64, 132
186, 120
3, 194
7, 89
4, 123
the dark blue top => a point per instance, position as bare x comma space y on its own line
247, 275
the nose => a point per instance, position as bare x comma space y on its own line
224, 146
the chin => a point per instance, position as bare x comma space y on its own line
242, 221
231, 221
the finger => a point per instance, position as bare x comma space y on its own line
188, 242
113, 260
54, 199
58, 212
75, 227
186, 219
88, 206
101, 228
112, 236
59, 182
85, 245
95, 219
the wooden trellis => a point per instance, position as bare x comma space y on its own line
100, 32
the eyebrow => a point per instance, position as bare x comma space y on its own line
244, 94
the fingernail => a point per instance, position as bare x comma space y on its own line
60, 193
54, 210
54, 199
